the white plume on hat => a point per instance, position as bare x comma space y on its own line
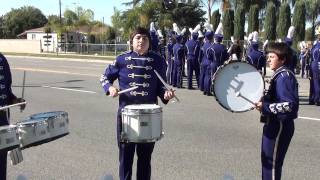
177, 30
200, 34
232, 39
250, 36
317, 30
290, 32
255, 36
208, 27
160, 35
302, 45
219, 29
196, 29
265, 43
152, 27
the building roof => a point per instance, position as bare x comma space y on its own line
35, 30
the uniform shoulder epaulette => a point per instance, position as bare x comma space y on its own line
154, 53
283, 72
124, 53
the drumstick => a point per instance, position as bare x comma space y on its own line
238, 94
166, 85
12, 105
127, 90
23, 85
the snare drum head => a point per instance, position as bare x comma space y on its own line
142, 106
238, 77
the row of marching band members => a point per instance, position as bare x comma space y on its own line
205, 54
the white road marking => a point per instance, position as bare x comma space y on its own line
68, 89
57, 72
309, 118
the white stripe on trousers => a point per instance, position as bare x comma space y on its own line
275, 151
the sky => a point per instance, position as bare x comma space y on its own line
101, 8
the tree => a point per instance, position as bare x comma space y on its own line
299, 20
188, 15
312, 10
215, 19
284, 21
227, 22
18, 20
239, 22
208, 4
184, 14
1, 28
270, 23
253, 20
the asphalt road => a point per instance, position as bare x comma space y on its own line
202, 140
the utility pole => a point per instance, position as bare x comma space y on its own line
60, 12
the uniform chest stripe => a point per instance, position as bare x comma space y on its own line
145, 76
144, 84
136, 58
131, 66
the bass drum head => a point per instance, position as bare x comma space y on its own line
238, 77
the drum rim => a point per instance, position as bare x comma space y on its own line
214, 94
56, 114
8, 128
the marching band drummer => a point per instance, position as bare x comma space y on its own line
6, 98
256, 57
279, 107
136, 68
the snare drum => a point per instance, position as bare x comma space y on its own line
141, 123
58, 122
8, 138
234, 78
33, 132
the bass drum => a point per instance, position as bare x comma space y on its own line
237, 77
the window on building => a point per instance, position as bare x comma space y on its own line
33, 36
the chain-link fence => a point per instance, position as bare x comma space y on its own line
92, 49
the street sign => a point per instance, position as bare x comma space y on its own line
49, 36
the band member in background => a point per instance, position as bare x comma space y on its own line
170, 45
315, 69
193, 50
304, 56
204, 56
279, 107
7, 98
220, 53
234, 51
179, 56
256, 57
162, 45
294, 57
136, 68
154, 38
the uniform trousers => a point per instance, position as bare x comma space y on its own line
203, 70
275, 142
177, 75
315, 66
126, 156
193, 66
